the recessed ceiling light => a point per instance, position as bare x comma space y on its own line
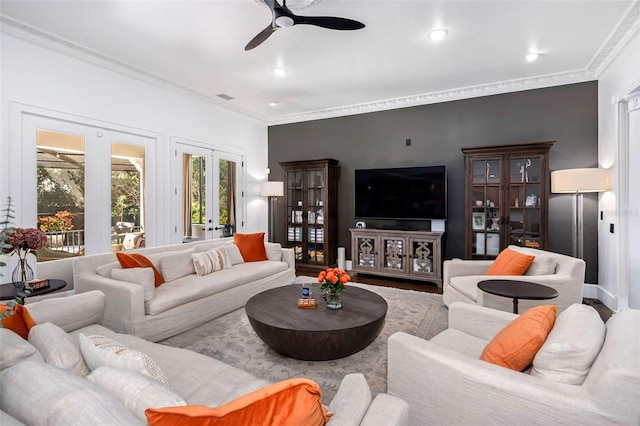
280, 72
438, 34
532, 56
273, 103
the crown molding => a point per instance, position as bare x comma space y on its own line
21, 30
629, 25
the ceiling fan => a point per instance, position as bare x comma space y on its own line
283, 17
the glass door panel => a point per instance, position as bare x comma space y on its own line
366, 252
127, 196
195, 183
422, 257
61, 191
226, 193
315, 215
394, 251
294, 212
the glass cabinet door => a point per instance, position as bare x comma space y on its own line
486, 202
366, 252
315, 215
394, 253
422, 252
524, 201
294, 212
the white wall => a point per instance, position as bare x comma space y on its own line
41, 77
619, 79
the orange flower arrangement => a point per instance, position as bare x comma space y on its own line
333, 279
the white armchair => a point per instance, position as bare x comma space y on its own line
563, 273
445, 382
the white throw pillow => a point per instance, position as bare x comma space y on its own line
571, 347
135, 390
174, 265
100, 350
15, 349
43, 394
274, 251
140, 276
234, 254
211, 261
542, 265
58, 348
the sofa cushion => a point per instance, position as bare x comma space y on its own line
139, 276
99, 350
20, 321
135, 390
510, 262
273, 251
210, 261
289, 402
60, 398
104, 270
251, 246
460, 342
58, 348
516, 345
190, 288
177, 264
15, 349
542, 265
235, 256
571, 347
137, 260
70, 313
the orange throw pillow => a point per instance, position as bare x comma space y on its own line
510, 262
289, 402
251, 246
516, 345
137, 260
20, 322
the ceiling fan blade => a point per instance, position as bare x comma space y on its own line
261, 37
329, 22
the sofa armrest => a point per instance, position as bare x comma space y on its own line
443, 386
463, 268
124, 302
478, 321
351, 402
289, 257
386, 410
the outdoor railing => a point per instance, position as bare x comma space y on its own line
69, 241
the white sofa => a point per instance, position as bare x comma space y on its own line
563, 273
38, 392
185, 302
445, 382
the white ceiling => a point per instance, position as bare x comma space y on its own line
198, 47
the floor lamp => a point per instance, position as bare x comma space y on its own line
577, 182
272, 189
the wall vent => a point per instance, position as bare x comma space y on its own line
225, 97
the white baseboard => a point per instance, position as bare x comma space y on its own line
594, 291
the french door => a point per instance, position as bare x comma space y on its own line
86, 186
208, 192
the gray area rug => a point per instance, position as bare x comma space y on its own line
231, 339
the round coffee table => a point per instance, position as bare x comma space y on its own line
9, 291
518, 290
316, 334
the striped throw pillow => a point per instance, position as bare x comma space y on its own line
211, 261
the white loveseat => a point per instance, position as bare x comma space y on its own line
563, 273
584, 374
186, 301
39, 392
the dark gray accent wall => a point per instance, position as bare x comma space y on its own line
565, 114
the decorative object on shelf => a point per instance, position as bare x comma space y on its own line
332, 282
22, 242
524, 174
531, 201
478, 220
495, 225
361, 225
577, 182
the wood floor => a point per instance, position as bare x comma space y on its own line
605, 313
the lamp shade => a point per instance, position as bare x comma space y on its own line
272, 188
579, 180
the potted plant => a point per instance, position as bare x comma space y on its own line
61, 221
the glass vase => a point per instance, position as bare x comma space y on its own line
333, 299
22, 273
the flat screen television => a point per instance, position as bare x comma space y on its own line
409, 193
